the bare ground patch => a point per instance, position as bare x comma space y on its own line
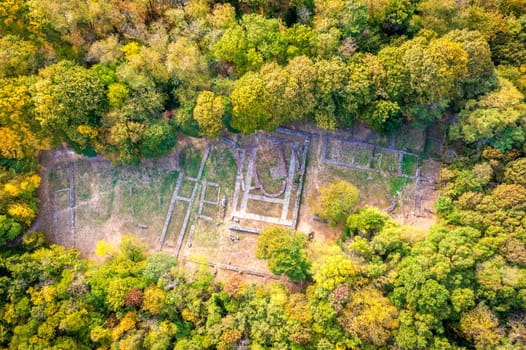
113, 201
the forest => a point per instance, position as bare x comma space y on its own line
123, 79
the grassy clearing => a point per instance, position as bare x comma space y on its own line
363, 156
267, 161
190, 161
89, 214
174, 228
58, 178
269, 184
125, 196
210, 210
206, 236
221, 167
347, 152
62, 199
83, 180
373, 186
211, 194
409, 164
264, 208
187, 188
149, 203
376, 160
334, 150
63, 226
397, 184
213, 242
167, 182
83, 192
357, 177
146, 204
388, 163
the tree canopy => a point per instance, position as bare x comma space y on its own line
285, 252
123, 78
335, 202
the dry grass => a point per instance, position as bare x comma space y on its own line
363, 156
214, 243
187, 187
264, 208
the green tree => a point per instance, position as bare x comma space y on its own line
105, 51
398, 15
154, 298
21, 133
507, 43
397, 80
117, 94
190, 67
367, 221
158, 265
300, 89
284, 250
382, 115
300, 39
462, 299
348, 16
494, 118
251, 43
438, 16
222, 16
480, 77
133, 128
333, 271
427, 283
66, 97
158, 139
365, 81
9, 229
331, 82
251, 109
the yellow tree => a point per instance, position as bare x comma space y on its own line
370, 316
20, 134
481, 326
10, 144
335, 201
153, 299
21, 212
208, 112
17, 56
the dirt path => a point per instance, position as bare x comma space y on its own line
44, 219
313, 175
